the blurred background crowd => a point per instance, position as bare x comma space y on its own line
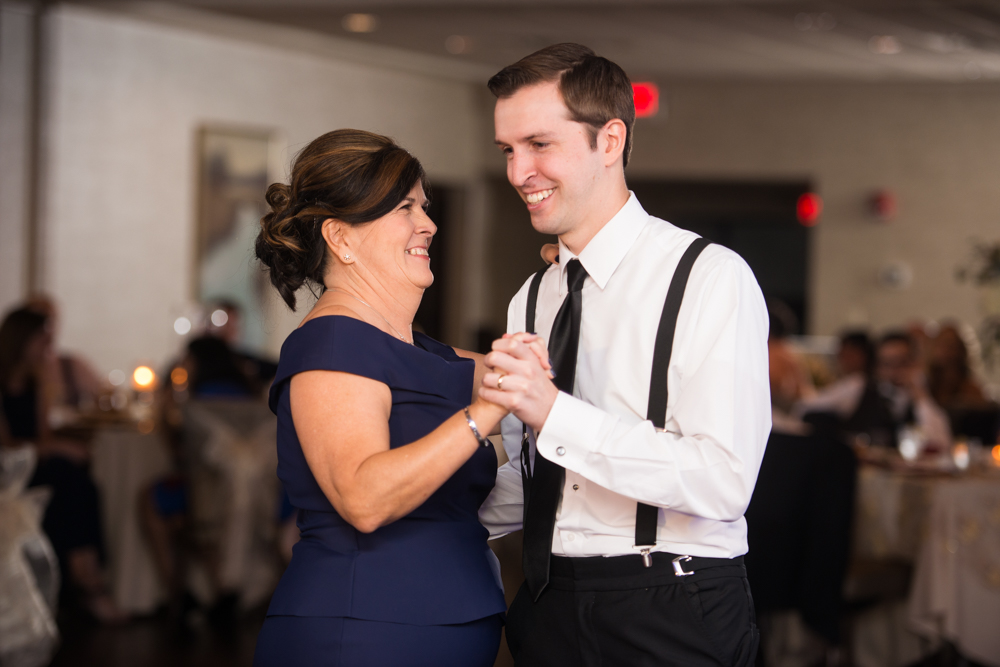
849, 151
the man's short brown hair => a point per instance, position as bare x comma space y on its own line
594, 89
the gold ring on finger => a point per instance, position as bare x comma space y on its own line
500, 382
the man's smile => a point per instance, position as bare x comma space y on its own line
536, 197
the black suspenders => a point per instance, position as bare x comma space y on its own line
656, 410
529, 326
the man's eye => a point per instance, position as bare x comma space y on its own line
539, 144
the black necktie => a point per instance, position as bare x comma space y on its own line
547, 477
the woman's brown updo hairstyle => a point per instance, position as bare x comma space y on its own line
349, 175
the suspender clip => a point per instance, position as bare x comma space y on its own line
679, 569
647, 558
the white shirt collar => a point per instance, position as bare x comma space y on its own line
609, 246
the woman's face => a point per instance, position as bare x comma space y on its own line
947, 347
393, 248
38, 348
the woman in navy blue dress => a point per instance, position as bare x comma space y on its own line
379, 447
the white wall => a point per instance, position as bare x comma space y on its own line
126, 98
936, 146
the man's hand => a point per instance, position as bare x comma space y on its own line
519, 380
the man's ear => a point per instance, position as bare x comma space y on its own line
333, 232
611, 141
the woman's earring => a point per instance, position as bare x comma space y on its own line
347, 258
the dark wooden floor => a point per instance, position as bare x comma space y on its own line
155, 641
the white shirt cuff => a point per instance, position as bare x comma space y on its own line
570, 429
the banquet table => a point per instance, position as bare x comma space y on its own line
124, 462
947, 526
956, 587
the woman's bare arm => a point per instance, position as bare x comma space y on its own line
342, 421
481, 368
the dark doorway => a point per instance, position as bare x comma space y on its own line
755, 220
430, 317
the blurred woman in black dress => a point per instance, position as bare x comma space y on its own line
72, 518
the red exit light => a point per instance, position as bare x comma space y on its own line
808, 209
647, 99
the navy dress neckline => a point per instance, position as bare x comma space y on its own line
431, 567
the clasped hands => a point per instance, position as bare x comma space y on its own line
520, 378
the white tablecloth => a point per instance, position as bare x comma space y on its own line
890, 518
956, 588
124, 462
912, 517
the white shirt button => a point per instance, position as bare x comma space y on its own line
570, 537
560, 451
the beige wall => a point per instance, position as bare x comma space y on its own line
126, 98
936, 146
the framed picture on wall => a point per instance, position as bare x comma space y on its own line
234, 170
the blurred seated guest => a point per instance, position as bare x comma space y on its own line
921, 334
879, 404
72, 382
901, 380
789, 377
25, 347
954, 387
855, 355
191, 515
225, 322
855, 380
72, 518
215, 370
787, 387
949, 374
798, 521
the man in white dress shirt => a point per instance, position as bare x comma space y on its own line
564, 120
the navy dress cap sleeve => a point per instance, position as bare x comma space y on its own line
430, 567
339, 343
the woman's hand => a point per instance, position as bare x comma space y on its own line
518, 381
537, 345
550, 253
535, 342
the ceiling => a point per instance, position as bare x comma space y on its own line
872, 40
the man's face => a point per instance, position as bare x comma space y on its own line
550, 161
895, 362
851, 359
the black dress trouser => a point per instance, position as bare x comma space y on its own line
614, 612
